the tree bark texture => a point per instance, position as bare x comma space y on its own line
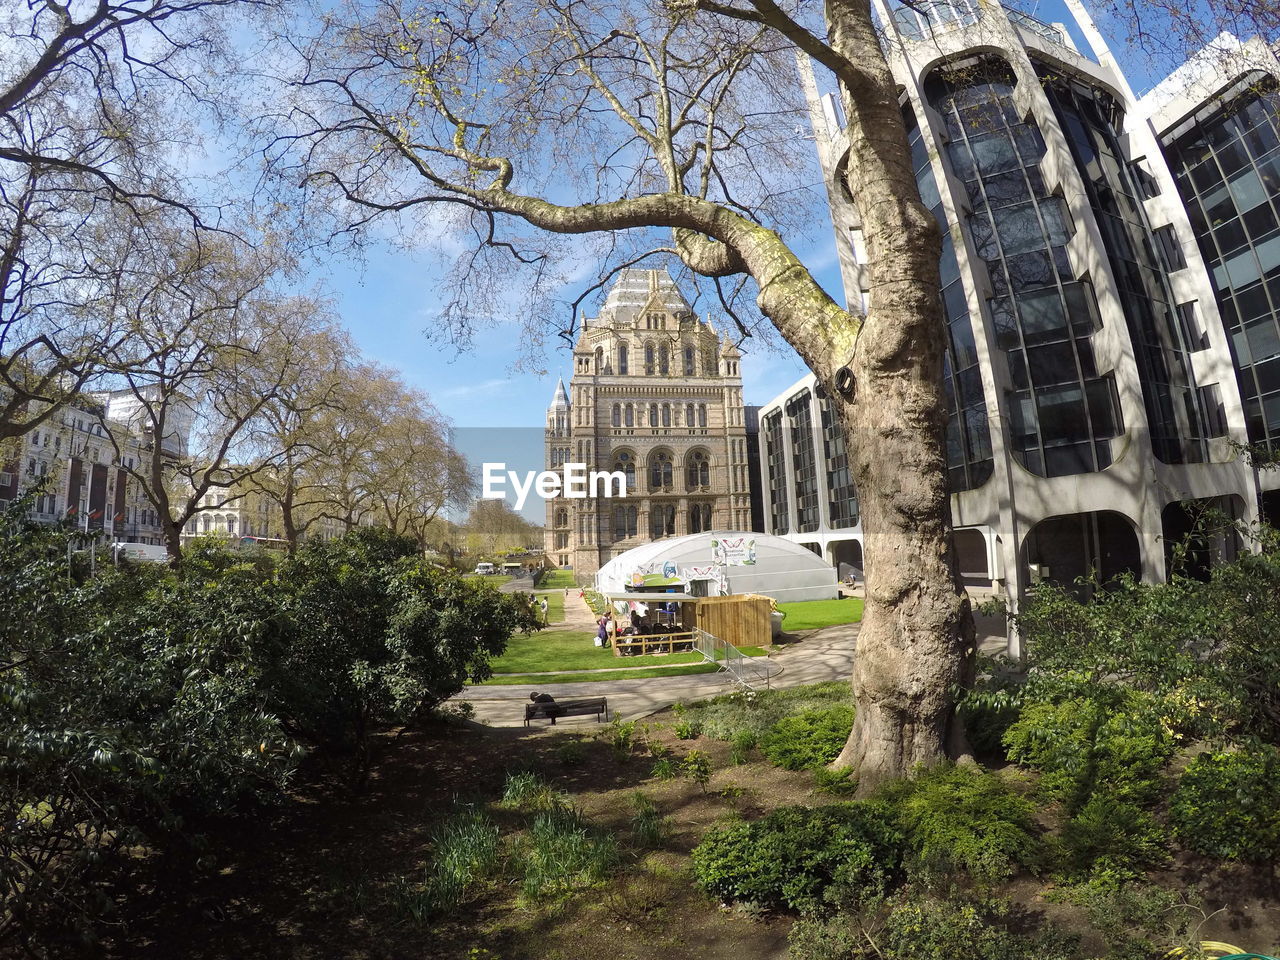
917, 632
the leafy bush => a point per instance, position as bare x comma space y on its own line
382, 636
687, 730
913, 928
1082, 745
697, 766
964, 820
1138, 921
132, 711
621, 734
801, 859
1228, 804
812, 739
723, 717
1111, 838
837, 782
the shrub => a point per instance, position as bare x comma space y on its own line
621, 734
914, 928
812, 739
571, 753
964, 820
1228, 804
563, 854
757, 712
687, 730
1137, 921
697, 766
837, 782
801, 859
1082, 745
1112, 838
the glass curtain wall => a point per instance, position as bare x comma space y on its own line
1062, 409
804, 461
842, 495
776, 456
1091, 121
969, 459
1228, 173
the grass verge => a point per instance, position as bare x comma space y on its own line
814, 614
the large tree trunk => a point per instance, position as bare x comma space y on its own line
917, 632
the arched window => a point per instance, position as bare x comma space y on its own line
204, 527
599, 359
698, 470
653, 414
666, 414
702, 414
660, 470
619, 522
648, 359
617, 414
690, 360
664, 360
689, 420
709, 366
662, 520
562, 518
622, 358
631, 416
625, 465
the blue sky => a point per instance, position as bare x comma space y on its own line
388, 301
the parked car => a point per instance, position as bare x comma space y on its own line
484, 569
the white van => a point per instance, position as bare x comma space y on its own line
484, 568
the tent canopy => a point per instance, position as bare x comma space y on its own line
728, 561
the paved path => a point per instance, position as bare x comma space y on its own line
825, 655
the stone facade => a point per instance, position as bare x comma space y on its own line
656, 395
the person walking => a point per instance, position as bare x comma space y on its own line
546, 621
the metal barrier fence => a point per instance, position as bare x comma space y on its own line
751, 673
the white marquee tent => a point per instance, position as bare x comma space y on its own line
726, 562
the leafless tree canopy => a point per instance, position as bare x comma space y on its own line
570, 117
94, 101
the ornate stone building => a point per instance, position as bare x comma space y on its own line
657, 396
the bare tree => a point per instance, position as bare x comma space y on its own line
417, 472
605, 117
88, 123
221, 347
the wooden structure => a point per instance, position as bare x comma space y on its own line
640, 644
740, 619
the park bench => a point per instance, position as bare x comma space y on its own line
568, 708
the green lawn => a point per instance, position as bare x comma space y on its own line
555, 604
557, 580
675, 670
812, 614
575, 650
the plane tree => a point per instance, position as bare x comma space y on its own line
673, 123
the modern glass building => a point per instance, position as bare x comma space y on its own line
1097, 396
